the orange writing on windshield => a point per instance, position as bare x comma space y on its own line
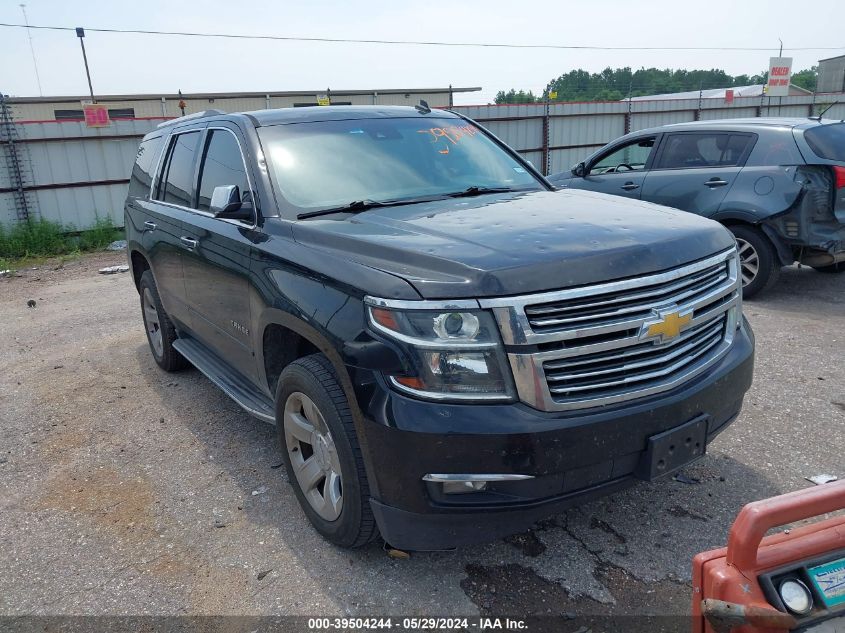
452, 133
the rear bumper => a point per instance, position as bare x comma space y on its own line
573, 457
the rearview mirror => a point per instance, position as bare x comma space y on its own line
580, 170
226, 203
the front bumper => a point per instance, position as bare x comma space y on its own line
574, 456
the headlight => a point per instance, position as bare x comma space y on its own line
455, 349
796, 596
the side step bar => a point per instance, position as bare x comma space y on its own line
232, 384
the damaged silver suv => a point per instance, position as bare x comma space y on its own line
778, 184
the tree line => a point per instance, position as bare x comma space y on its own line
614, 84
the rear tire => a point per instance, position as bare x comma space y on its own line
838, 267
758, 264
159, 328
321, 453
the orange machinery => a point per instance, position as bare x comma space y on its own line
792, 580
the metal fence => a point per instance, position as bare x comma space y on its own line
556, 136
66, 172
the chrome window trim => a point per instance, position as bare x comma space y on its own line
203, 134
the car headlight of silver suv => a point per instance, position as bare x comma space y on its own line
454, 347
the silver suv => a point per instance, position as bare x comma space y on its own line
778, 184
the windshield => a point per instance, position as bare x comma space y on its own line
328, 164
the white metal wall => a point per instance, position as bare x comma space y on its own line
76, 174
59, 156
576, 130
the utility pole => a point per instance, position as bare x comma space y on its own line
780, 54
32, 50
80, 33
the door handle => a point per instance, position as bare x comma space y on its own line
716, 182
189, 242
150, 226
630, 186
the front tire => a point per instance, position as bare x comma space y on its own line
758, 265
321, 453
159, 328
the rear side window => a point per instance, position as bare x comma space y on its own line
177, 180
145, 163
684, 151
827, 141
222, 165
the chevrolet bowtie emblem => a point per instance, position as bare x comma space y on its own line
668, 326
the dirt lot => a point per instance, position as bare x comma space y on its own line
125, 490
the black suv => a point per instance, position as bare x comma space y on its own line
778, 184
450, 349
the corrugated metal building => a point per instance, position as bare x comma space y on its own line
831, 74
167, 105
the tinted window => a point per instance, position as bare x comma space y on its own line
827, 141
145, 163
222, 165
631, 157
703, 150
176, 184
331, 163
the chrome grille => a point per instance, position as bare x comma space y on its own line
613, 306
605, 373
593, 346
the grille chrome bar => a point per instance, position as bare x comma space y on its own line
698, 349
592, 346
711, 335
513, 321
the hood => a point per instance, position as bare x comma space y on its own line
517, 243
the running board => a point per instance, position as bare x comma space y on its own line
233, 384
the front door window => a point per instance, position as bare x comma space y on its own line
631, 157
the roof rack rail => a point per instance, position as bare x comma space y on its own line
190, 117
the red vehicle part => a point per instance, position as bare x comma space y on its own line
726, 594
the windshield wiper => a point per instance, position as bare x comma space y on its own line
358, 206
355, 206
479, 191
362, 205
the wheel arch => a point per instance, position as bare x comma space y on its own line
738, 218
278, 326
139, 264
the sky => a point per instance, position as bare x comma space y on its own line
123, 63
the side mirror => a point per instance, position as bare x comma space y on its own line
226, 203
580, 170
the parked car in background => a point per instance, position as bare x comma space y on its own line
778, 184
450, 349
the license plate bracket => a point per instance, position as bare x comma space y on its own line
668, 451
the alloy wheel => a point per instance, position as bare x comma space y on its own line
313, 455
749, 260
153, 323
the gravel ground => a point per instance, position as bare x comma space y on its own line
128, 491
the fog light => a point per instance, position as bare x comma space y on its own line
460, 487
454, 484
796, 596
